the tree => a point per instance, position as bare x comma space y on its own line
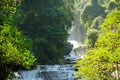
112, 5
14, 51
7, 10
92, 36
104, 59
96, 23
46, 23
14, 48
91, 17
118, 2
90, 12
92, 33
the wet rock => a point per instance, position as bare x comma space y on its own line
17, 75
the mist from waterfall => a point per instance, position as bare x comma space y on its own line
77, 34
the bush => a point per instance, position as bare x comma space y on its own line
14, 51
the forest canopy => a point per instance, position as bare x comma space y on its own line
45, 22
37, 31
102, 58
14, 47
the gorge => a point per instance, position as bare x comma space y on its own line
60, 39
66, 71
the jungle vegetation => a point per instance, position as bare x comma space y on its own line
36, 32
33, 32
102, 60
46, 22
15, 50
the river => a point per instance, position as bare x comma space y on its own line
48, 72
66, 71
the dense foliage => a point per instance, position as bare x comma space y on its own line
91, 11
118, 3
7, 10
14, 51
92, 14
103, 60
46, 23
14, 48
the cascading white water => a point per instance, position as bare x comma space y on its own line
61, 72
77, 35
48, 72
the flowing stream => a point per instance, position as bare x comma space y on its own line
60, 72
48, 72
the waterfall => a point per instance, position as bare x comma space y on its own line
66, 71
77, 35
